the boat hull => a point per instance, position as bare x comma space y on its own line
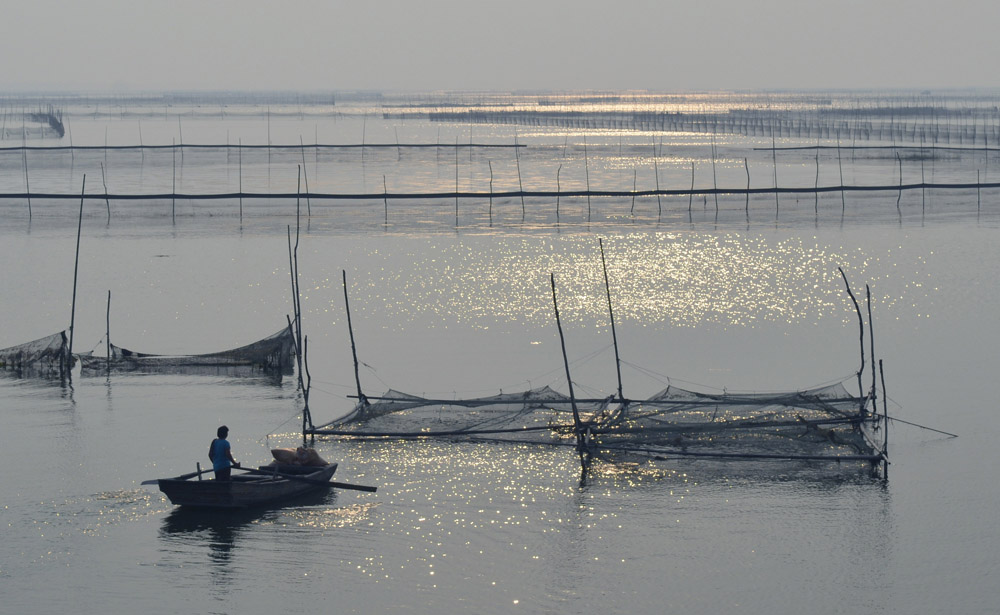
247, 491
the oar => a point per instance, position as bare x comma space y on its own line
156, 481
311, 481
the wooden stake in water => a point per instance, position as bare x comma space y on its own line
24, 156
76, 268
634, 176
774, 157
305, 176
354, 351
656, 172
558, 191
106, 201
577, 424
691, 193
490, 163
586, 167
520, 186
746, 206
611, 316
107, 333
241, 179
840, 165
173, 189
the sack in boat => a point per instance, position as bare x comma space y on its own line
284, 455
309, 457
299, 457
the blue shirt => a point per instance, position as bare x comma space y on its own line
220, 454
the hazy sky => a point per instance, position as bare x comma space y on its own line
498, 45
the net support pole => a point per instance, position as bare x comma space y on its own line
76, 269
861, 324
577, 427
885, 428
354, 350
107, 332
611, 315
871, 345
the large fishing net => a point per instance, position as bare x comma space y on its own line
274, 352
822, 423
44, 356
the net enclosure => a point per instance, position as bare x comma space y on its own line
274, 352
45, 356
822, 423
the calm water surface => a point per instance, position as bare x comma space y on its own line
487, 527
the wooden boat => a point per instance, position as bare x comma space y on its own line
263, 486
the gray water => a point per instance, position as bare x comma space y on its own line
463, 310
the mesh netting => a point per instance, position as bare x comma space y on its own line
819, 423
273, 352
49, 354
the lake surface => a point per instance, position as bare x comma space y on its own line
725, 301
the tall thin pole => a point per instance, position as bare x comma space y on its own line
354, 351
107, 332
586, 167
861, 324
656, 171
173, 189
611, 315
569, 380
885, 427
241, 180
558, 191
871, 341
305, 175
520, 186
76, 268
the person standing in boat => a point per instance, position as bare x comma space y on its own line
221, 455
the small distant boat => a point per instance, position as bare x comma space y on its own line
265, 486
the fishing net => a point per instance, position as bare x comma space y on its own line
273, 352
823, 423
49, 354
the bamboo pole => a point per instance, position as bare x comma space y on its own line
173, 189
577, 424
305, 175
691, 193
586, 168
354, 351
611, 316
558, 191
27, 185
871, 341
840, 165
76, 269
746, 206
107, 333
715, 183
634, 175
861, 324
520, 186
106, 201
774, 158
885, 427
241, 180
656, 172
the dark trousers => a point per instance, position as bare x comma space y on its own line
224, 474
